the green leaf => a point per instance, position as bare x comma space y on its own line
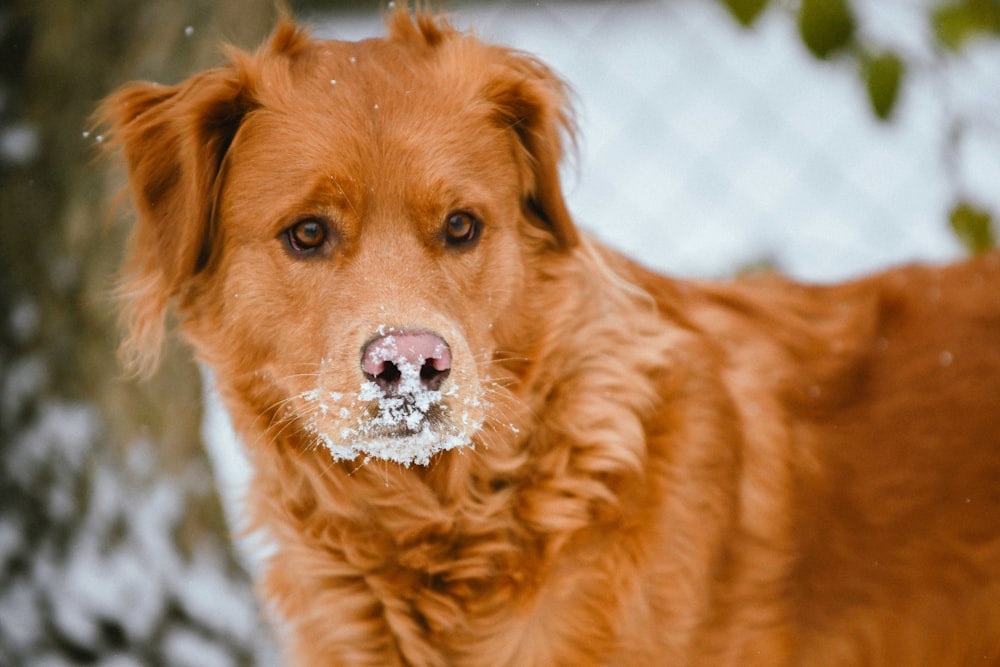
826, 26
957, 21
745, 11
973, 226
883, 77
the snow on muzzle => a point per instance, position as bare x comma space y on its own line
409, 405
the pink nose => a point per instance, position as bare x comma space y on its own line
406, 362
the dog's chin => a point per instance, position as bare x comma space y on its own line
433, 420
401, 429
405, 445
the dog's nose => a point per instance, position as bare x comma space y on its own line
405, 363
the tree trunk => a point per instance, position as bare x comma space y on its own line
112, 541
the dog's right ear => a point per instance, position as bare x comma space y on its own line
531, 101
174, 140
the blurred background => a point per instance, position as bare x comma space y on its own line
821, 138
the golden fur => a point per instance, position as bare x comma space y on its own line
667, 472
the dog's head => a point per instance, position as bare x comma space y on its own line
345, 227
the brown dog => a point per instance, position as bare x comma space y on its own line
480, 438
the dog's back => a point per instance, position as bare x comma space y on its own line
879, 401
899, 518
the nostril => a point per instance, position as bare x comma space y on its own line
388, 377
431, 377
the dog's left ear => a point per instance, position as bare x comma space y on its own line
532, 101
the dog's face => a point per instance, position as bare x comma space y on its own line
347, 227
369, 238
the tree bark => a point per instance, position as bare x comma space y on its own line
86, 450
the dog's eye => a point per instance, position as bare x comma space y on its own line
461, 228
306, 236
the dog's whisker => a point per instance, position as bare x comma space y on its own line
273, 431
276, 408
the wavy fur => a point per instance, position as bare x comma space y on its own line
666, 472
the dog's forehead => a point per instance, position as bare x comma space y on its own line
383, 90
367, 114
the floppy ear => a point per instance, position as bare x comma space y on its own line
531, 101
174, 139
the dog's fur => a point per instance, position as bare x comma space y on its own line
666, 473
